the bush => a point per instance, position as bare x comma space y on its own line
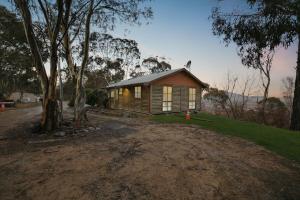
95, 97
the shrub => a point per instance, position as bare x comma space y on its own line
95, 97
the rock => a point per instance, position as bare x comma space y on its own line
91, 128
60, 134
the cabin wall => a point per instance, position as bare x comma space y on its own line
180, 83
128, 101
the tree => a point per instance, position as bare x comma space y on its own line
137, 71
155, 66
49, 17
261, 60
276, 112
263, 27
16, 70
106, 49
218, 98
288, 92
98, 14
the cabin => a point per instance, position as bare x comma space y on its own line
175, 90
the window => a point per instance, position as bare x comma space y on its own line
112, 93
137, 92
192, 98
167, 98
121, 91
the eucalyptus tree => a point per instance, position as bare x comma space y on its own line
16, 69
110, 51
44, 18
262, 27
99, 15
156, 64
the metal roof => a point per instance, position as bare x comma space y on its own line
151, 77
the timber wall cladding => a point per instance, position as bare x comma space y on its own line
157, 99
176, 100
145, 98
180, 98
184, 98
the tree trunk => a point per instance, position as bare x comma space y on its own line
262, 113
295, 119
49, 120
50, 114
80, 92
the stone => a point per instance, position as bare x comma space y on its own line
60, 134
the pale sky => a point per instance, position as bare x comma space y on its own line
181, 30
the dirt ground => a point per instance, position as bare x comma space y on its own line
133, 158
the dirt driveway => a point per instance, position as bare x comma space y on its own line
130, 158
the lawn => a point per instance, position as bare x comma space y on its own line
284, 142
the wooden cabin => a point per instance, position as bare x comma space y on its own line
170, 91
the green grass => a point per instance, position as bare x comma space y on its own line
281, 141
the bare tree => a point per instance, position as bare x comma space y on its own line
238, 94
264, 66
233, 97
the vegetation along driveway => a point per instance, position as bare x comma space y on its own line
129, 158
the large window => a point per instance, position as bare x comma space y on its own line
167, 98
192, 98
138, 92
120, 91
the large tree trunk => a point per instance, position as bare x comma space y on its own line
49, 120
295, 119
80, 92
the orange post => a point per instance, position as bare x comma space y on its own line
187, 115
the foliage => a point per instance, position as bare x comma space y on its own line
156, 66
258, 30
149, 66
276, 112
218, 98
16, 69
281, 141
97, 98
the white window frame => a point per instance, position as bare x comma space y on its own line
137, 92
167, 98
192, 98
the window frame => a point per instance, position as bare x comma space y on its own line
192, 98
167, 98
137, 92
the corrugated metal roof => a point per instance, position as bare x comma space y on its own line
149, 78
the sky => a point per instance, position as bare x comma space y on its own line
182, 31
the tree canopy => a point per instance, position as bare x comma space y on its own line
259, 29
